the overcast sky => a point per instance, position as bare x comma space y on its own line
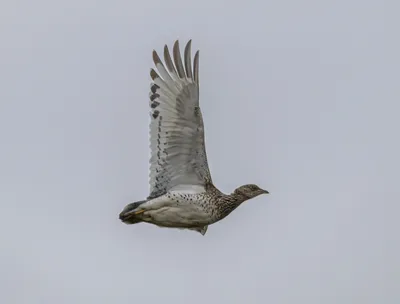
299, 97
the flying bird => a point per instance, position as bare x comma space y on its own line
182, 194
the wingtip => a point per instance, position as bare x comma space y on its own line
178, 60
153, 74
197, 56
166, 51
176, 48
196, 66
156, 58
188, 45
176, 43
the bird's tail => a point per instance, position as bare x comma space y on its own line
128, 216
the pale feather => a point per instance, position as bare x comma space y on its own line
178, 156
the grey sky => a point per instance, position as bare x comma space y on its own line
300, 97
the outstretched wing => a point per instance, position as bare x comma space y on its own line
178, 156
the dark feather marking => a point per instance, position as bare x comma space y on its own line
153, 74
155, 104
154, 96
156, 113
154, 88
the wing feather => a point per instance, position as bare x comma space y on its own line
178, 60
178, 156
170, 64
196, 68
188, 60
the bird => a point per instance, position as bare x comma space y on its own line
182, 193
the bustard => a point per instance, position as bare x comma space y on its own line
182, 194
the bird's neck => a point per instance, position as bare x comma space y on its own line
230, 202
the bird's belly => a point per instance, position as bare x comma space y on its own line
181, 216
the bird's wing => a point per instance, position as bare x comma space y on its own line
178, 156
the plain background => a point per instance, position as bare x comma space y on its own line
300, 97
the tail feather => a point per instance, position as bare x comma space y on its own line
127, 216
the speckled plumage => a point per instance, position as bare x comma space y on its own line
182, 194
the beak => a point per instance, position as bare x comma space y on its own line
265, 191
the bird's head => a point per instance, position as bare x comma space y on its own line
250, 191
